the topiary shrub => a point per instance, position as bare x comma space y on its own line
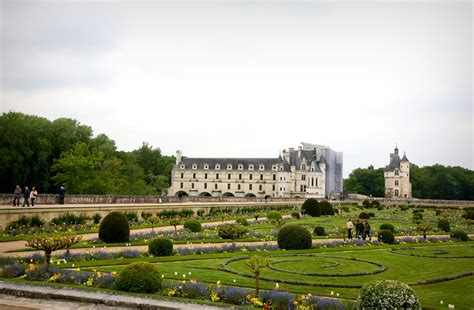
294, 237
311, 207
139, 277
366, 203
371, 214
160, 247
443, 224
326, 208
364, 215
375, 203
387, 294
230, 231
114, 228
192, 225
387, 226
459, 235
242, 221
386, 236
274, 216
319, 231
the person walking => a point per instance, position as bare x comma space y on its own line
61, 193
367, 230
359, 229
17, 196
26, 197
33, 195
349, 226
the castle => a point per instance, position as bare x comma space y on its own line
397, 177
309, 171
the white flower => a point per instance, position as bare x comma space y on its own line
162, 276
73, 265
332, 293
175, 273
451, 306
184, 276
337, 294
277, 285
189, 273
441, 302
235, 280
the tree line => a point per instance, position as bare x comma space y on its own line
429, 182
35, 151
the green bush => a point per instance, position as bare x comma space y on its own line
469, 215
295, 215
167, 214
131, 216
345, 209
326, 208
114, 228
200, 212
443, 224
146, 215
294, 237
96, 218
242, 221
364, 215
380, 208
319, 231
193, 226
160, 247
387, 294
417, 217
230, 231
386, 236
186, 213
139, 277
375, 203
437, 212
387, 226
459, 235
36, 221
69, 219
366, 203
404, 207
311, 207
371, 214
23, 221
274, 216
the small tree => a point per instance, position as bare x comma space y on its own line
231, 231
175, 223
69, 240
424, 227
256, 264
256, 216
153, 220
48, 244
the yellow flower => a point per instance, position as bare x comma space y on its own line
214, 296
218, 283
113, 273
55, 277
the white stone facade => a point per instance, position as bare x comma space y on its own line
300, 173
397, 177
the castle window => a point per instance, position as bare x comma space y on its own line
229, 167
194, 175
217, 176
274, 177
274, 167
228, 186
304, 188
218, 166
303, 177
206, 166
250, 176
260, 187
281, 189
303, 167
262, 167
195, 166
396, 193
183, 167
192, 185
241, 167
316, 182
396, 172
396, 182
182, 175
205, 185
301, 188
250, 167
250, 187
261, 176
205, 175
238, 187
229, 176
273, 187
312, 182
281, 168
215, 186
181, 185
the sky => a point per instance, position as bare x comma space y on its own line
250, 78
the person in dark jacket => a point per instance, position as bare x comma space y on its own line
367, 230
61, 193
17, 196
359, 229
26, 197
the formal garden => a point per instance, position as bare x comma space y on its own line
271, 257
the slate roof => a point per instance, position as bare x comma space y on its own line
235, 162
394, 163
404, 158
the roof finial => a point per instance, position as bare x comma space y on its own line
396, 148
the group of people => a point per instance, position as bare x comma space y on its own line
362, 228
27, 194
31, 195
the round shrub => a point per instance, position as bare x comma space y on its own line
366, 203
380, 208
294, 237
229, 231
371, 214
417, 216
139, 277
274, 216
387, 226
364, 215
161, 247
459, 235
193, 226
443, 224
114, 228
242, 221
375, 203
386, 236
469, 215
311, 207
387, 294
319, 231
326, 208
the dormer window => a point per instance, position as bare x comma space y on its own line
303, 167
241, 167
250, 167
396, 172
229, 167
183, 167
274, 167
206, 167
195, 166
281, 168
262, 167
218, 166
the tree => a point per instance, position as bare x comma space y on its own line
48, 244
69, 240
368, 182
256, 264
153, 220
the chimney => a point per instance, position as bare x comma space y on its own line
299, 151
178, 156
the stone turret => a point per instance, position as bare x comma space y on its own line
178, 156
